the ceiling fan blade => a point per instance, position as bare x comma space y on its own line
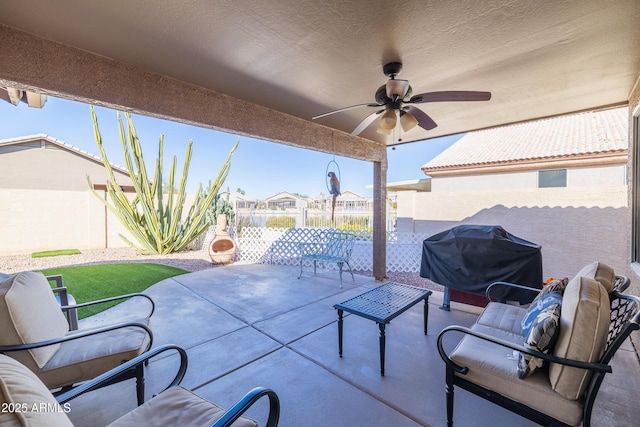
366, 122
424, 121
450, 96
345, 109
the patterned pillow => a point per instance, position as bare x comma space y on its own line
542, 337
537, 306
551, 285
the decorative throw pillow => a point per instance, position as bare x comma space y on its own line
536, 307
541, 337
551, 285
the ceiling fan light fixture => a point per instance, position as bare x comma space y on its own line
408, 122
388, 120
383, 131
397, 88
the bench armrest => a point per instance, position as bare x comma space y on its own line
108, 376
119, 297
246, 402
77, 335
597, 367
494, 286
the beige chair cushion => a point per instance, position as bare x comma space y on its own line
25, 400
506, 317
87, 357
495, 367
177, 407
600, 272
584, 325
29, 313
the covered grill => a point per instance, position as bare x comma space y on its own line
471, 257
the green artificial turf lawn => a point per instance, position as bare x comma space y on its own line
93, 282
55, 253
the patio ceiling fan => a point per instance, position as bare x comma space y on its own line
394, 103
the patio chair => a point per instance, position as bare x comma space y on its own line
21, 390
36, 333
555, 385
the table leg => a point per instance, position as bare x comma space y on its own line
446, 304
426, 314
340, 332
381, 326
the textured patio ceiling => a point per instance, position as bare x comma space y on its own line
305, 57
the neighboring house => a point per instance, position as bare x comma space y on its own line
349, 201
285, 200
241, 203
46, 201
559, 182
346, 202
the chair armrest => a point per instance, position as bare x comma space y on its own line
246, 402
621, 283
55, 278
598, 367
496, 285
67, 308
105, 378
79, 334
100, 301
63, 293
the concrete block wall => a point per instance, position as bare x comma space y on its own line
574, 226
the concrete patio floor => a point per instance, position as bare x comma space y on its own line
250, 325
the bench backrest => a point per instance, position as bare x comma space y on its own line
337, 244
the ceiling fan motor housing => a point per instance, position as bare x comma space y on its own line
392, 69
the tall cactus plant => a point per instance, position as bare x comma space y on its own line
153, 216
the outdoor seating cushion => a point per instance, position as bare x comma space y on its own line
90, 356
177, 407
584, 326
601, 273
506, 317
494, 367
25, 400
29, 313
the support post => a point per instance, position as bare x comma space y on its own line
380, 219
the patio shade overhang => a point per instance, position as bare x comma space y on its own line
292, 60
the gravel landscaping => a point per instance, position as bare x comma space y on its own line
187, 260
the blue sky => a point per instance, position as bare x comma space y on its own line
260, 168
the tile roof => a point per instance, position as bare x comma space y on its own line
59, 143
594, 132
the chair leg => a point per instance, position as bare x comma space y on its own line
350, 271
340, 268
449, 392
300, 268
140, 383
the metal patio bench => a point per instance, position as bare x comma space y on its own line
330, 247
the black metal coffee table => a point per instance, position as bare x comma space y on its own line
382, 304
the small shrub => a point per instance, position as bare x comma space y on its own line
281, 222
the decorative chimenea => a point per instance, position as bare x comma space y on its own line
222, 247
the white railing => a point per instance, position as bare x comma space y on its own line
261, 245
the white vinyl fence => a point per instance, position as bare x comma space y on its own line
279, 246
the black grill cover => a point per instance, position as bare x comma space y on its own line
471, 257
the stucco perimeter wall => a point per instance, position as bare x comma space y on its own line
574, 226
37, 220
40, 220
